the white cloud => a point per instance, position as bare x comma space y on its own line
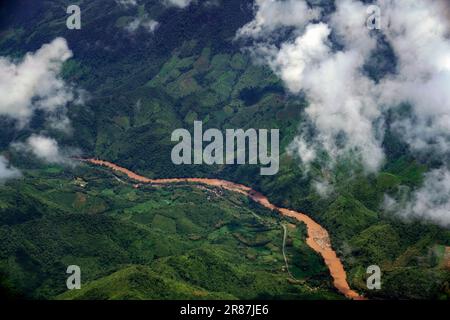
178, 3
127, 3
34, 83
300, 148
271, 15
418, 33
431, 201
174, 3
7, 171
346, 106
295, 60
143, 22
45, 149
323, 188
349, 25
339, 94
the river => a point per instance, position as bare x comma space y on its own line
318, 238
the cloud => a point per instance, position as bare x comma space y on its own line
323, 188
178, 3
307, 51
349, 23
45, 149
346, 106
325, 58
423, 77
143, 22
127, 3
338, 92
271, 15
174, 3
431, 202
34, 83
7, 171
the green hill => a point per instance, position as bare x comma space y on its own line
139, 283
148, 243
141, 87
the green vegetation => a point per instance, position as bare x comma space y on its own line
143, 86
177, 242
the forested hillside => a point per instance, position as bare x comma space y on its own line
186, 242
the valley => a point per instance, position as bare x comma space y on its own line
318, 238
142, 226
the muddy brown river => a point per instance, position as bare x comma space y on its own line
318, 238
